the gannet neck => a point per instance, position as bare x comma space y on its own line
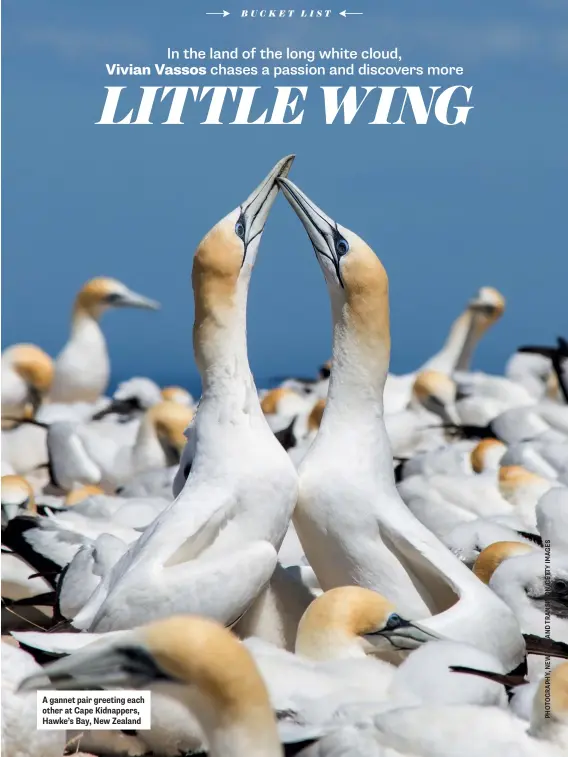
447, 358
361, 353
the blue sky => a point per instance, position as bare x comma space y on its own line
447, 209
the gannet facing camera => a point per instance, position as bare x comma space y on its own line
27, 373
214, 549
82, 368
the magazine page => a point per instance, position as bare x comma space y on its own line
284, 379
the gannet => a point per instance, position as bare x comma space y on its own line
177, 394
522, 489
20, 736
195, 662
27, 373
214, 548
481, 313
473, 731
552, 518
17, 497
353, 525
82, 368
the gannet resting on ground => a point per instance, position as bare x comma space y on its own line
27, 373
481, 313
82, 368
353, 525
198, 664
213, 550
20, 737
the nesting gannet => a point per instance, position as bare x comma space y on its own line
473, 731
20, 736
199, 665
17, 497
552, 518
353, 525
177, 394
214, 548
82, 368
481, 313
522, 489
530, 586
27, 373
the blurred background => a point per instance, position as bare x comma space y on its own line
447, 209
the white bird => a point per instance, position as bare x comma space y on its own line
474, 731
213, 550
481, 313
198, 665
552, 518
20, 736
353, 525
27, 373
82, 368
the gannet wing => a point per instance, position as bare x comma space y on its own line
222, 587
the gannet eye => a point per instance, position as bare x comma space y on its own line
342, 247
560, 586
394, 621
240, 229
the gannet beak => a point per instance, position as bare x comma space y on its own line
322, 230
406, 635
130, 299
118, 406
126, 666
10, 511
255, 210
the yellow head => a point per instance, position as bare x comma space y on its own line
550, 706
486, 454
170, 419
177, 394
17, 497
316, 414
226, 256
491, 557
102, 293
513, 478
272, 398
78, 495
355, 276
434, 386
33, 365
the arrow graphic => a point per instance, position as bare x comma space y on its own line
350, 13
218, 13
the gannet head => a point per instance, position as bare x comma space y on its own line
354, 274
17, 497
550, 707
487, 454
194, 659
34, 367
102, 293
270, 402
513, 479
177, 394
353, 614
81, 493
228, 251
488, 303
437, 393
131, 397
316, 414
491, 557
170, 420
